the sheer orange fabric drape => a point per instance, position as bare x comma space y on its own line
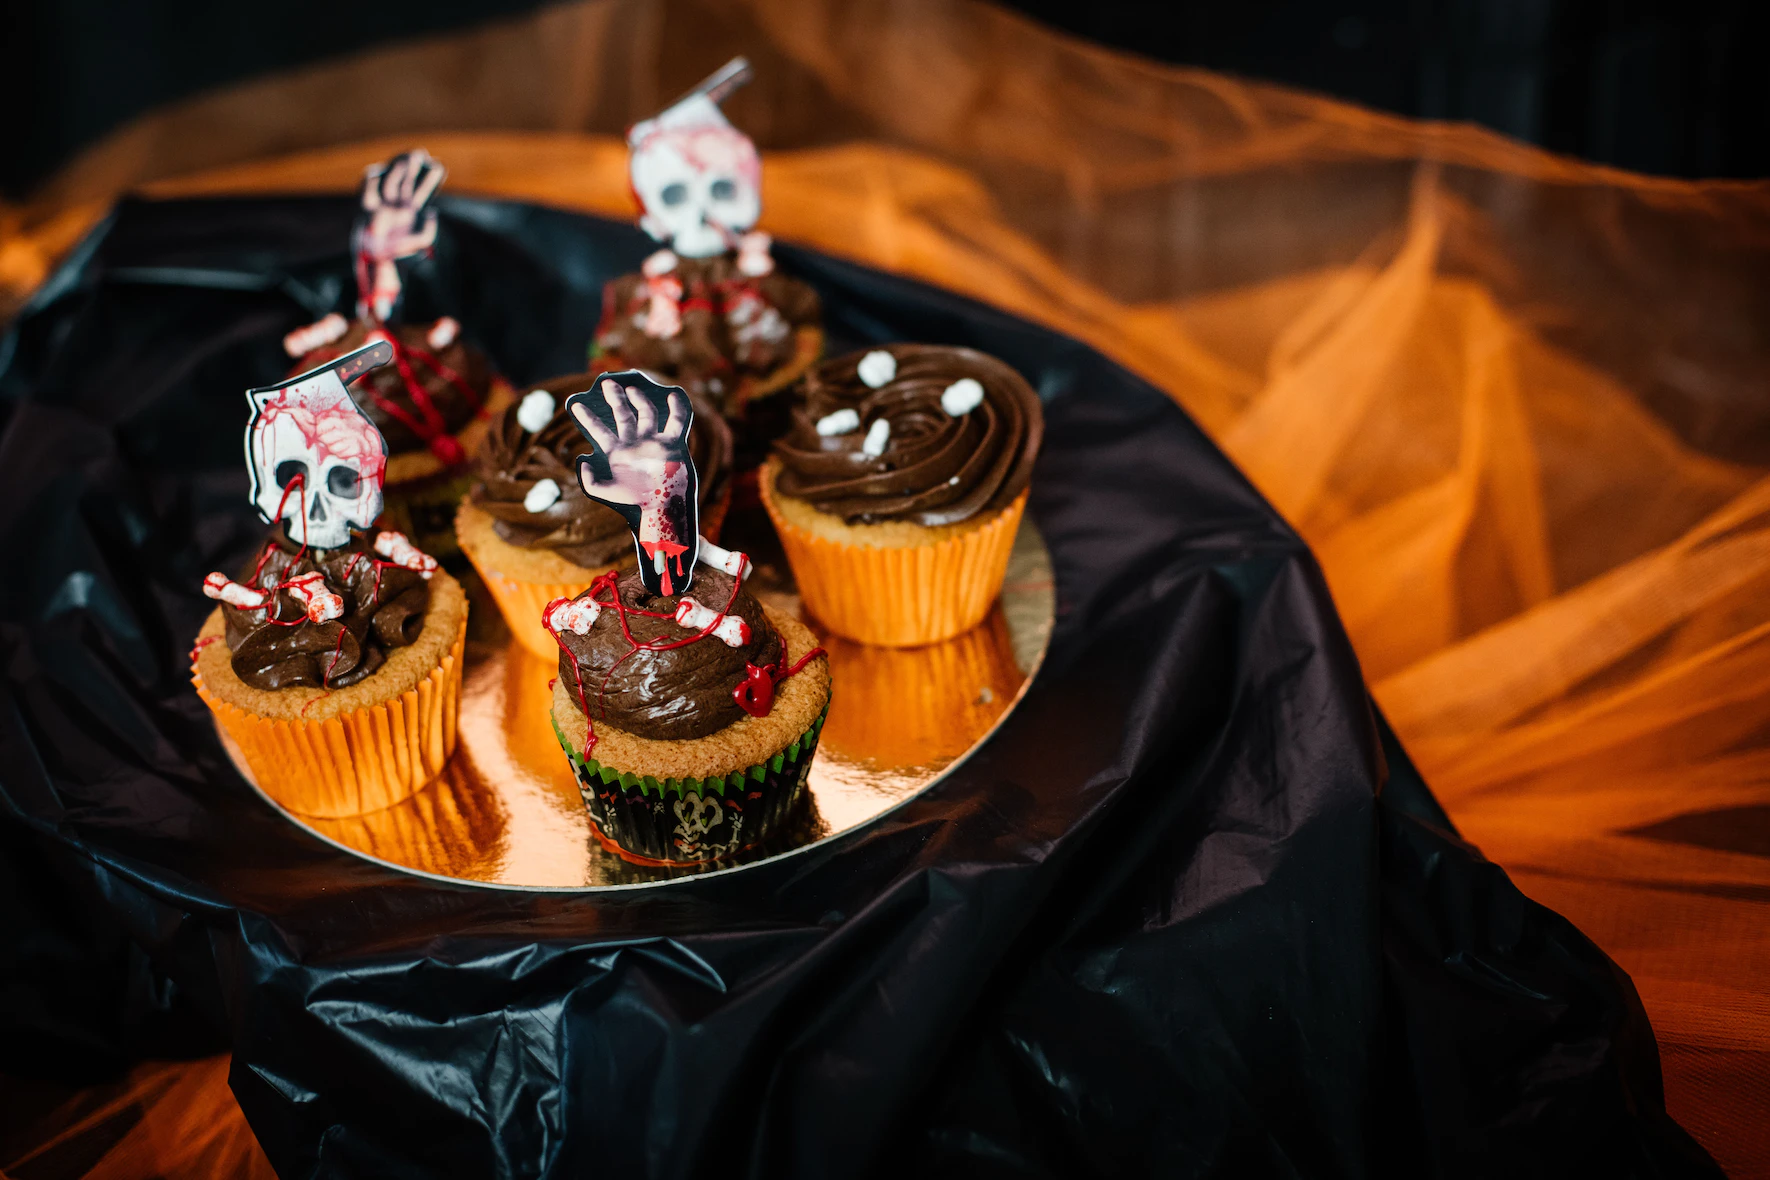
1517, 405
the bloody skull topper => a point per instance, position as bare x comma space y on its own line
396, 222
698, 178
641, 467
317, 461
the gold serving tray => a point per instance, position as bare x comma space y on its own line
506, 812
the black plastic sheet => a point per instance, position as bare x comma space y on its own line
1189, 912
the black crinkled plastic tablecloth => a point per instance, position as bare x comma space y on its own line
1190, 912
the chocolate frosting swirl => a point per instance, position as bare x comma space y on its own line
676, 694
384, 608
383, 387
936, 468
725, 333
512, 461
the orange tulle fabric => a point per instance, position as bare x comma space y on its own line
1513, 401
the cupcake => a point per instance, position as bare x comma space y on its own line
899, 487
333, 660
676, 764
709, 311
690, 712
526, 532
434, 403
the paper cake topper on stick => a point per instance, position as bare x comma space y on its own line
396, 222
698, 178
317, 461
642, 469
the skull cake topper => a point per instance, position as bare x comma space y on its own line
642, 469
698, 177
396, 222
317, 461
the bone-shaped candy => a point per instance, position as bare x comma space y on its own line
323, 331
576, 615
443, 332
400, 551
220, 587
753, 257
692, 615
732, 562
321, 605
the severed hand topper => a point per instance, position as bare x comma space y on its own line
317, 461
698, 177
642, 469
396, 222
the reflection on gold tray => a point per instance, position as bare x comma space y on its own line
506, 811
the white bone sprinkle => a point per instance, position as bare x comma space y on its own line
576, 615
734, 563
841, 422
443, 332
878, 438
321, 605
323, 331
660, 262
541, 497
395, 548
753, 257
962, 396
535, 410
695, 617
223, 589
876, 368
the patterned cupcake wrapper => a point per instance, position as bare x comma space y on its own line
693, 821
362, 761
900, 597
521, 603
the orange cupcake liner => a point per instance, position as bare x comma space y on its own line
900, 597
521, 603
363, 761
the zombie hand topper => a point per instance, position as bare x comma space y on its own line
698, 177
642, 469
395, 223
317, 461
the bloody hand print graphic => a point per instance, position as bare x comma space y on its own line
395, 223
641, 468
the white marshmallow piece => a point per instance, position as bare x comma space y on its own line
841, 422
223, 589
541, 497
962, 396
395, 548
695, 617
878, 438
323, 331
443, 332
535, 410
876, 368
576, 615
735, 564
321, 605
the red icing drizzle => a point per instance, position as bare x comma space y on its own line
754, 694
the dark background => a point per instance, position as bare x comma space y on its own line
1672, 89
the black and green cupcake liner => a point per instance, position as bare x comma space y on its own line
694, 821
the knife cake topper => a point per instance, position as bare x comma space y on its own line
317, 461
396, 222
641, 467
697, 177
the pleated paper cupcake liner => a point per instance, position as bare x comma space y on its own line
900, 597
362, 761
693, 821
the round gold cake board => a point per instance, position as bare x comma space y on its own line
506, 812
